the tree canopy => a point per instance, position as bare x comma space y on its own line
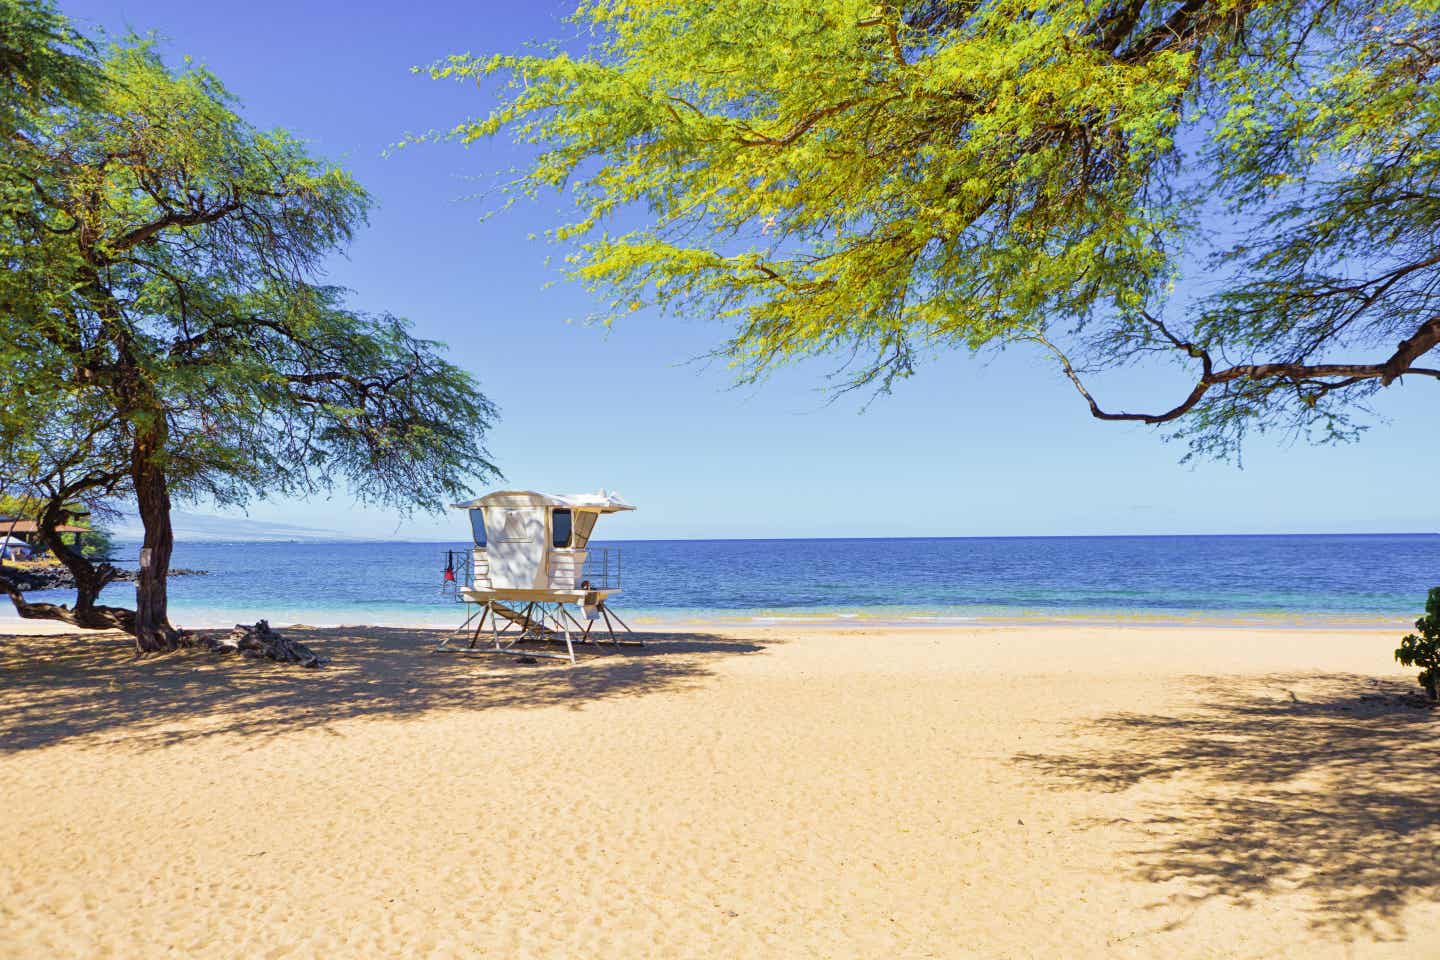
167, 333
44, 61
1247, 187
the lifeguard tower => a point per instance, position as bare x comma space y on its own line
531, 561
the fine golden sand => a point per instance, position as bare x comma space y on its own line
1039, 791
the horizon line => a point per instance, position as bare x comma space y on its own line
1022, 536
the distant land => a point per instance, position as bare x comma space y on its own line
214, 526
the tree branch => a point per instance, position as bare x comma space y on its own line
1400, 363
90, 618
193, 219
798, 129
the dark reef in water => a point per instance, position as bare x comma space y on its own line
59, 578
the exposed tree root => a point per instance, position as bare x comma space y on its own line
88, 616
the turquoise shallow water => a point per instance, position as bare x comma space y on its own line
1265, 580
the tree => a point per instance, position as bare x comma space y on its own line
44, 62
1422, 649
880, 181
48, 436
166, 324
66, 466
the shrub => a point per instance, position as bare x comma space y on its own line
1424, 650
96, 543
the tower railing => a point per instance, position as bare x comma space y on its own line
602, 568
456, 573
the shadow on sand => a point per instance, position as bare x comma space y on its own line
1321, 784
60, 688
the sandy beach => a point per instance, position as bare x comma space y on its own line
1039, 791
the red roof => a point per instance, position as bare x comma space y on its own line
9, 526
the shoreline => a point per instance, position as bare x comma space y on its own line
919, 619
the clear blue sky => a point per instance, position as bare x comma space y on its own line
994, 446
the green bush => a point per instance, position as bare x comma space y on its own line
1424, 650
96, 543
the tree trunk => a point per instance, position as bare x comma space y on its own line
91, 616
90, 579
139, 402
153, 632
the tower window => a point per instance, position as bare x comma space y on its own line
560, 526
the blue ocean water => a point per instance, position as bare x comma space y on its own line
1280, 579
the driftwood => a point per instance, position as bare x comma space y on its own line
259, 640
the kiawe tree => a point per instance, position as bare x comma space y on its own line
883, 180
65, 458
57, 451
44, 62
165, 324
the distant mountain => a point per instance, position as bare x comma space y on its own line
213, 526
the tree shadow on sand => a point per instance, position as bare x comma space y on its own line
1318, 784
95, 689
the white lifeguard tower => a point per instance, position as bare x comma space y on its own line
531, 560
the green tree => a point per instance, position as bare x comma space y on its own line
60, 455
44, 62
166, 334
62, 462
878, 181
94, 540
1422, 649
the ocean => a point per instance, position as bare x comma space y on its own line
1350, 580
